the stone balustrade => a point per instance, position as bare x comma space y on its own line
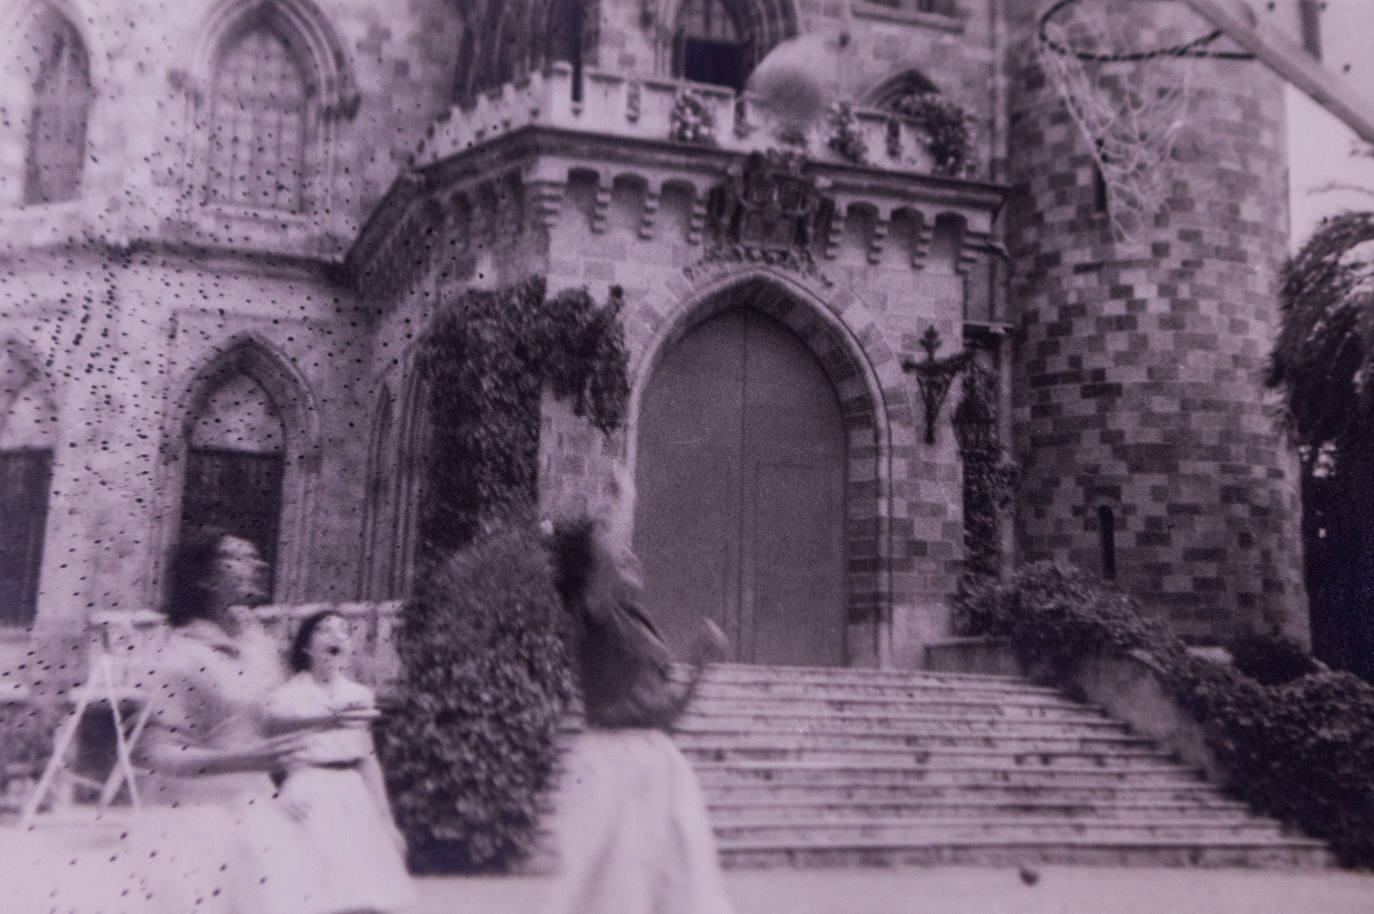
613, 104
132, 639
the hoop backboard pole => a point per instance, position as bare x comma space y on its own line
1291, 61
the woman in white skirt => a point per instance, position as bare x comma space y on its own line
333, 786
632, 829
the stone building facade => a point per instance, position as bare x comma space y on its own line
210, 309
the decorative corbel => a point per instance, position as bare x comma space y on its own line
971, 246
649, 215
925, 234
697, 221
601, 208
934, 377
881, 225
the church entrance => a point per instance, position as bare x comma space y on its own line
741, 472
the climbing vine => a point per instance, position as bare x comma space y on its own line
485, 361
846, 139
1321, 365
946, 127
989, 481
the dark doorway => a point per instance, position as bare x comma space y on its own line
741, 471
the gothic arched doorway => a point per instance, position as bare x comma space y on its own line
741, 478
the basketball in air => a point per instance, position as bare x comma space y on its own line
798, 79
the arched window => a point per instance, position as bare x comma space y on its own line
710, 44
892, 94
56, 149
235, 464
28, 434
260, 121
565, 37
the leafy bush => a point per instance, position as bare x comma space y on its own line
845, 139
486, 357
26, 732
1054, 615
1302, 751
1271, 659
946, 127
470, 747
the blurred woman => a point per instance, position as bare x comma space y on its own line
215, 839
333, 786
631, 820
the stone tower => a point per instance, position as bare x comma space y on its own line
1139, 413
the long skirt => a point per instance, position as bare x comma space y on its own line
631, 830
358, 863
209, 858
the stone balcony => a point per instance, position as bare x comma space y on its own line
641, 108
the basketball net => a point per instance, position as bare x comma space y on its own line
1126, 76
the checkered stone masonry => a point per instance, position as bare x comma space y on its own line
1138, 378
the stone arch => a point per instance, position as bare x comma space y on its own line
767, 23
329, 94
29, 439
380, 507
21, 66
21, 372
253, 356
568, 31
889, 91
841, 334
15, 14
328, 59
412, 431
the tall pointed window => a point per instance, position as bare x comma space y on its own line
28, 431
234, 466
710, 46
259, 120
57, 120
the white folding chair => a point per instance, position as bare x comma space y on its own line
110, 685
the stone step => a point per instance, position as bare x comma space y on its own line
812, 772
806, 810
795, 742
708, 719
1009, 760
841, 791
1011, 830
907, 689
709, 689
764, 705
1271, 854
744, 672
843, 767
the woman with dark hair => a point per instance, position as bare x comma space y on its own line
214, 840
631, 820
333, 786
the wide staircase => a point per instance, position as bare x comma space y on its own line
840, 767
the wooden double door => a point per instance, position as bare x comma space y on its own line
741, 476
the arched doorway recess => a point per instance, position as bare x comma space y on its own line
741, 464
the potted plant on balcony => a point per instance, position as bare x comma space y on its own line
945, 125
691, 121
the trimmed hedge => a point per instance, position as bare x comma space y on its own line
1272, 659
469, 750
1301, 751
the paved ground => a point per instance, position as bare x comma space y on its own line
956, 890
30, 861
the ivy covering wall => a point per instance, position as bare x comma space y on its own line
485, 360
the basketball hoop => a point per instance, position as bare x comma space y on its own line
1127, 80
